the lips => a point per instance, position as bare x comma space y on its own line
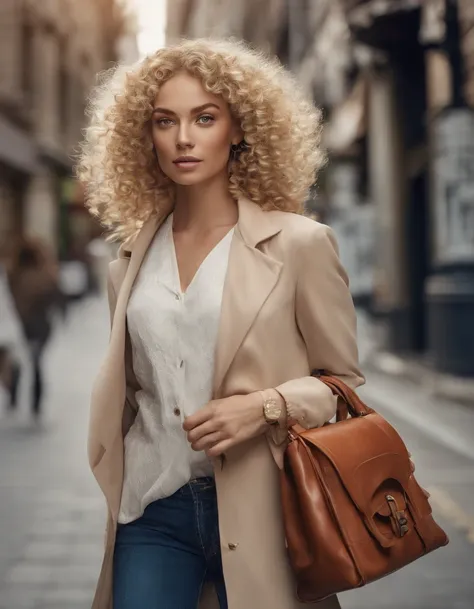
186, 159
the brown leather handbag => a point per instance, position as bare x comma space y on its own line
353, 511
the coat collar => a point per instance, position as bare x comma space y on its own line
254, 226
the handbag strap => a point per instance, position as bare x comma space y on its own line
349, 402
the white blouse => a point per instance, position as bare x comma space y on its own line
173, 337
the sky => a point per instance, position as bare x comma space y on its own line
151, 24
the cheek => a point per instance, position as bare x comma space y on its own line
164, 153
160, 144
218, 145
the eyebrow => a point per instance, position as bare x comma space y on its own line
193, 111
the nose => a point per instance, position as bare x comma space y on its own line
184, 139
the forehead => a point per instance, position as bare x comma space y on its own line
183, 92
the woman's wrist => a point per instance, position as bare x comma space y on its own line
277, 401
286, 420
257, 399
256, 404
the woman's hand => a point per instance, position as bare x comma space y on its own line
224, 423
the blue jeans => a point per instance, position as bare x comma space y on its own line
162, 560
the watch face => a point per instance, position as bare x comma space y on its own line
272, 410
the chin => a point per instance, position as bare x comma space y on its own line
191, 178
187, 180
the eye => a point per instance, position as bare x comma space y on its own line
206, 119
163, 122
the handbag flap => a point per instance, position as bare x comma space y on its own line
368, 455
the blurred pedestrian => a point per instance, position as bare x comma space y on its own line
223, 299
33, 276
11, 337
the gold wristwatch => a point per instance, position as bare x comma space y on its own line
272, 409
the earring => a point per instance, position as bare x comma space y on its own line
234, 152
237, 149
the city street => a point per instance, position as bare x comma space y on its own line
51, 512
52, 515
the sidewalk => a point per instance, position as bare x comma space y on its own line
412, 397
414, 370
52, 514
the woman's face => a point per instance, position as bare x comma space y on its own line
192, 131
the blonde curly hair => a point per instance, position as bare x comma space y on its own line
117, 163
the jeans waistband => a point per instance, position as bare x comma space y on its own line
198, 485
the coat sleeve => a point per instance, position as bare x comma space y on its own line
326, 318
132, 385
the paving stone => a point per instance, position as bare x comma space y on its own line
67, 596
20, 598
26, 573
76, 575
47, 552
86, 555
60, 605
67, 528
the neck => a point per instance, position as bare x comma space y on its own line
204, 206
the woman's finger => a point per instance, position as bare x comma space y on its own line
207, 441
202, 430
198, 418
219, 448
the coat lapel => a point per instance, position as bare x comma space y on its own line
136, 253
114, 359
251, 277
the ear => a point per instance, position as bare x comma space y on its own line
237, 134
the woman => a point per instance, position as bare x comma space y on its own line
11, 337
34, 286
223, 299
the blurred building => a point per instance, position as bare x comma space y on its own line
221, 18
400, 129
395, 80
50, 53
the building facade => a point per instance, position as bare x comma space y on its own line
417, 59
395, 80
51, 52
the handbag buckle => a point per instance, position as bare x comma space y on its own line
398, 517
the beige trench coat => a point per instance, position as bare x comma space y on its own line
286, 309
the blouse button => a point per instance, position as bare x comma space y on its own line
177, 297
232, 546
177, 412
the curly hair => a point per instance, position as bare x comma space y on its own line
117, 163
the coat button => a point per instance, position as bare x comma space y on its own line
232, 546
